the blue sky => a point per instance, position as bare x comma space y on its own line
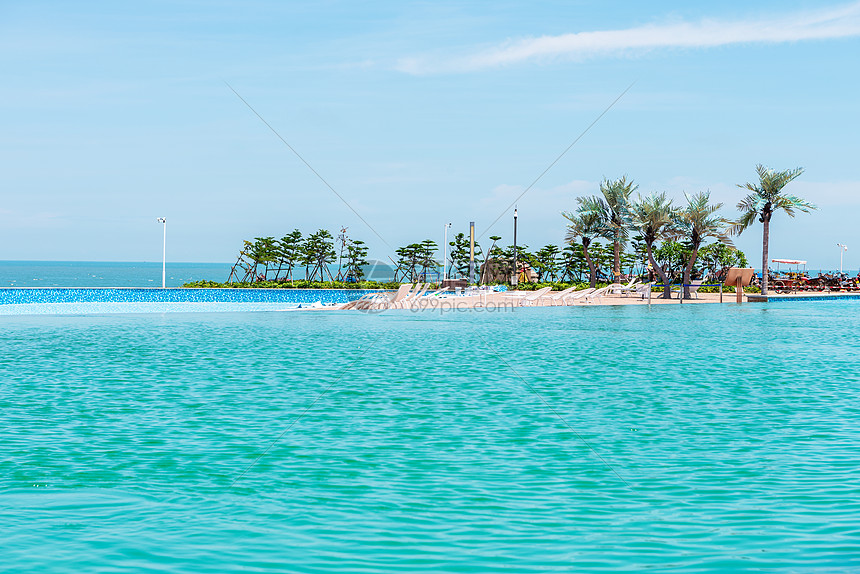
418, 114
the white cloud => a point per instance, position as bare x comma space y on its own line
838, 22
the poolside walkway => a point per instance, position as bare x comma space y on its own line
515, 299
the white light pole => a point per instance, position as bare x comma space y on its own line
445, 252
842, 250
163, 222
515, 280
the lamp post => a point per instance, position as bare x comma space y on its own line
842, 250
516, 278
445, 252
471, 252
163, 222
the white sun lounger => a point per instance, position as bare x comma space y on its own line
578, 295
378, 300
625, 289
529, 299
407, 301
642, 290
558, 298
428, 300
694, 287
590, 298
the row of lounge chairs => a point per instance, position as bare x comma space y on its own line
418, 297
571, 295
405, 297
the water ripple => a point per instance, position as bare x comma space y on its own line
735, 428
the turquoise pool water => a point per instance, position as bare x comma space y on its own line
691, 438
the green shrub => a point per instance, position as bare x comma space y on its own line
299, 284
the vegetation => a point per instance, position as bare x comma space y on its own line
298, 284
415, 261
616, 216
546, 262
458, 256
696, 222
586, 224
766, 198
654, 217
356, 254
608, 234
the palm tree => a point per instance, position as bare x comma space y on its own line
586, 224
615, 208
765, 199
654, 217
696, 222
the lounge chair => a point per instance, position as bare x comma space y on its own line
694, 287
558, 298
407, 301
535, 297
625, 289
528, 299
578, 295
378, 300
366, 301
438, 292
642, 290
597, 294
428, 300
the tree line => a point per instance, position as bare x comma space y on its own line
673, 236
271, 259
645, 235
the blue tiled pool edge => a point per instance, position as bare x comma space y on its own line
36, 295
755, 298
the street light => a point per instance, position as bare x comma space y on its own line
516, 278
445, 252
842, 251
163, 221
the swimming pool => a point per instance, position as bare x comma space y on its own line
585, 439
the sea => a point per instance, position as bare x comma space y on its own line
107, 274
676, 438
135, 274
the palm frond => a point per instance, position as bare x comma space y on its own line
767, 196
794, 202
698, 220
747, 219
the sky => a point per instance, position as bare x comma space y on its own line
394, 118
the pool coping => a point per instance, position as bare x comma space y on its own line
37, 295
830, 296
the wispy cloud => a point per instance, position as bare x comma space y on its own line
834, 22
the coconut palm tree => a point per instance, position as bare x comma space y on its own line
766, 198
586, 223
654, 217
697, 222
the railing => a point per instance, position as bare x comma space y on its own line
681, 289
